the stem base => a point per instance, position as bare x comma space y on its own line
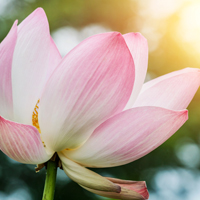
50, 182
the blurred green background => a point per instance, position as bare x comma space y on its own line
172, 28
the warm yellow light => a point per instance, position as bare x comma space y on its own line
159, 8
188, 29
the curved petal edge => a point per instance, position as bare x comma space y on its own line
35, 58
130, 190
172, 91
92, 83
128, 136
138, 47
7, 47
86, 177
22, 143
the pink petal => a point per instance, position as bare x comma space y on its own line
172, 91
22, 143
93, 82
130, 190
35, 58
7, 47
128, 136
86, 177
138, 47
137, 186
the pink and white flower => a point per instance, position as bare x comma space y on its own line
91, 107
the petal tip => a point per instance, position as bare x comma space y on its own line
136, 35
184, 112
15, 23
136, 189
190, 69
145, 192
39, 10
38, 13
116, 35
1, 118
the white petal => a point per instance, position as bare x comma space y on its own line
128, 136
138, 47
7, 47
92, 83
35, 57
172, 91
86, 177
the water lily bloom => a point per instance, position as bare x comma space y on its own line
90, 107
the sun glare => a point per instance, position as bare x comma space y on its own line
188, 29
160, 8
183, 17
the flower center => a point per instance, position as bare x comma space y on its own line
35, 117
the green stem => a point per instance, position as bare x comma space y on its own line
50, 182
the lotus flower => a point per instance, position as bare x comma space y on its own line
91, 107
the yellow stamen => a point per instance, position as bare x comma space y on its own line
35, 117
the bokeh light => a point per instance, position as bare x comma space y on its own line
188, 28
